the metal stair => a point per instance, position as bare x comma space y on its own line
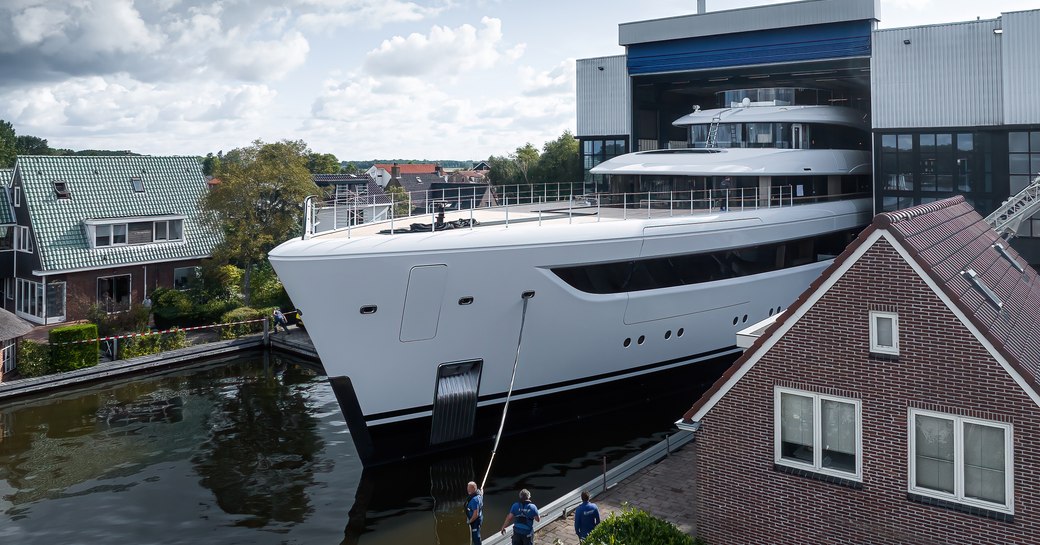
713, 132
1009, 216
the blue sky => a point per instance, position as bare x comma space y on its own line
438, 79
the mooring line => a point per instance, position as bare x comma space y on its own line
526, 296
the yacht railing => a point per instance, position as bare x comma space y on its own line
398, 211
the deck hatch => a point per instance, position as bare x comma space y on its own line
455, 401
422, 303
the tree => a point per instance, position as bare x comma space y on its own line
399, 198
503, 170
560, 161
322, 163
351, 168
8, 145
257, 204
32, 145
211, 163
526, 159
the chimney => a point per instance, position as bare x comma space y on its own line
701, 7
438, 170
395, 172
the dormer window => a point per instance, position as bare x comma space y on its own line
106, 233
138, 184
884, 333
61, 189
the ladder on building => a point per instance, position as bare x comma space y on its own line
1009, 216
713, 132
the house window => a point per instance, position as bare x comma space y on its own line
61, 190
17, 197
24, 240
960, 459
103, 235
818, 433
182, 276
56, 301
7, 355
884, 333
7, 237
138, 184
161, 230
138, 232
113, 293
30, 298
9, 287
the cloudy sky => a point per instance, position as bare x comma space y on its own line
444, 79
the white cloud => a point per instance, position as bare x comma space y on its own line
261, 60
444, 51
559, 80
332, 14
37, 23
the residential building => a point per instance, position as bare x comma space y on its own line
355, 199
12, 329
952, 107
382, 173
102, 231
896, 401
429, 188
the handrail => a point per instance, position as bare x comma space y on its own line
424, 205
1007, 218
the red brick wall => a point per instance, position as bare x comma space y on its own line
81, 287
742, 499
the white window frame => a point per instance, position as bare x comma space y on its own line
17, 197
193, 274
8, 355
958, 462
877, 348
817, 465
92, 227
30, 301
24, 240
129, 292
9, 287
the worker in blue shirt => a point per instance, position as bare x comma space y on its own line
474, 511
586, 517
523, 514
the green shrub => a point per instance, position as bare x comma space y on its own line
66, 357
170, 308
211, 312
33, 359
239, 315
134, 318
637, 527
151, 344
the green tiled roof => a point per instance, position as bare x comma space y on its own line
100, 188
6, 213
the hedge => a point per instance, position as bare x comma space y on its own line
173, 308
66, 357
635, 526
33, 359
152, 344
242, 314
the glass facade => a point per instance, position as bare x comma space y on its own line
596, 150
918, 168
1023, 166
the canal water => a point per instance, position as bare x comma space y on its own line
255, 450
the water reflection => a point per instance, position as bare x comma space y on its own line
262, 450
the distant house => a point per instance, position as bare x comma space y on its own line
356, 199
897, 400
100, 231
430, 188
468, 176
481, 167
12, 329
382, 173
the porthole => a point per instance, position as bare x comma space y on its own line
735, 320
744, 319
770, 312
680, 332
668, 334
628, 342
778, 309
466, 300
642, 339
368, 309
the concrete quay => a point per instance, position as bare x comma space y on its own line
664, 490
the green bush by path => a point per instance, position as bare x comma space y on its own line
151, 344
637, 527
242, 314
34, 359
66, 357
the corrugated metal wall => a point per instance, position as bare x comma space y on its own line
1021, 64
947, 76
604, 101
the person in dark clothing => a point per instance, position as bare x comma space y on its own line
474, 511
586, 517
279, 320
523, 514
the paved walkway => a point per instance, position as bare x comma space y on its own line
665, 490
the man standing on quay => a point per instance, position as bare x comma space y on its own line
586, 517
474, 511
523, 514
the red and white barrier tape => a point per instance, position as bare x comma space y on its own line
171, 330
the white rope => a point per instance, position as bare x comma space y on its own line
509, 394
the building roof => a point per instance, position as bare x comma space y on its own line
939, 240
6, 212
328, 179
12, 327
101, 188
410, 168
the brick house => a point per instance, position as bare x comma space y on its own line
100, 230
896, 401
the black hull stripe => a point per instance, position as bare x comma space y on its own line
563, 384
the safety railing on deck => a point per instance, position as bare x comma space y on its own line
397, 212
